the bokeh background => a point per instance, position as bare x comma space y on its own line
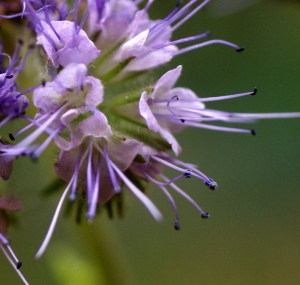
253, 234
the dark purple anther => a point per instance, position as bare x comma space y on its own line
212, 185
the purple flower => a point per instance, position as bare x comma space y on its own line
12, 102
64, 44
167, 110
111, 134
111, 20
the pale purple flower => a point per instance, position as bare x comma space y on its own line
112, 135
98, 163
167, 110
64, 44
132, 43
111, 19
72, 91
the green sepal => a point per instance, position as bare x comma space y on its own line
116, 70
124, 99
129, 97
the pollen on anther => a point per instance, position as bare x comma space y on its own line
240, 49
254, 91
176, 226
11, 136
204, 215
188, 173
212, 185
19, 264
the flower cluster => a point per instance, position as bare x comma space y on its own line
111, 136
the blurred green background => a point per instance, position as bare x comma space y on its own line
253, 234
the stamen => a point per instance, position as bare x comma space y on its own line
171, 200
23, 13
148, 5
168, 106
18, 262
93, 206
184, 40
165, 162
210, 99
79, 161
138, 19
269, 115
169, 19
190, 166
53, 222
48, 38
90, 172
44, 145
139, 194
216, 128
112, 174
168, 182
205, 215
189, 15
100, 6
33, 123
13, 60
186, 174
177, 5
11, 136
75, 11
33, 13
211, 184
222, 42
13, 265
155, 101
4, 121
6, 243
30, 89
32, 137
48, 19
83, 20
186, 196
24, 8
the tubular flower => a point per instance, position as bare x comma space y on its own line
110, 135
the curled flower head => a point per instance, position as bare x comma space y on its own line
112, 134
